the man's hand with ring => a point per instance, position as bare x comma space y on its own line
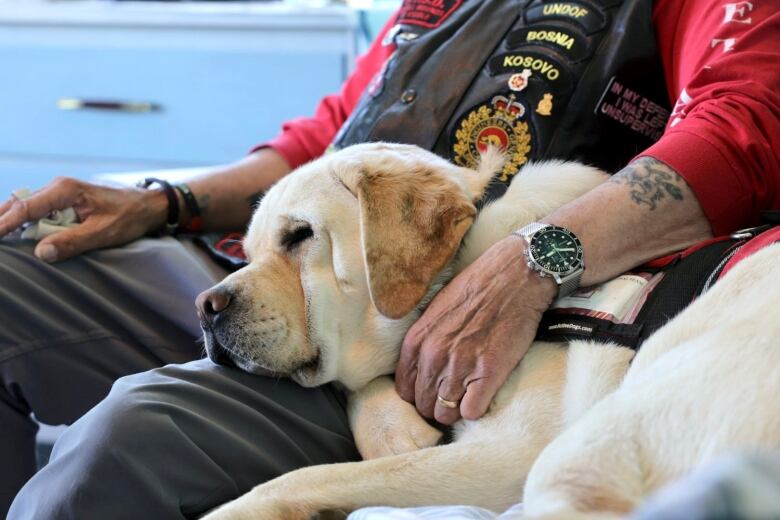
473, 334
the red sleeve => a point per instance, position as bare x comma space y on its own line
722, 64
306, 138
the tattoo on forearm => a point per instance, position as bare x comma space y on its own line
254, 199
650, 182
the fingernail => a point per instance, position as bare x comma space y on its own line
47, 253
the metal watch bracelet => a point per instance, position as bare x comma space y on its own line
566, 284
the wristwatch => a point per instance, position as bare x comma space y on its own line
555, 252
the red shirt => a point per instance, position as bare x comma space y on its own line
721, 59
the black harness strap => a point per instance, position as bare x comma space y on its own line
684, 279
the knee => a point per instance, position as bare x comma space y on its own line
123, 423
104, 458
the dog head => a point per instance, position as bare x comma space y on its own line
341, 253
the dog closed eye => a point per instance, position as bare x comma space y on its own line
294, 237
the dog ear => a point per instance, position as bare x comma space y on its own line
411, 226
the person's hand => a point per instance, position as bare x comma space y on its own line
473, 334
108, 216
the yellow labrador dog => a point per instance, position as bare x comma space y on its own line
345, 253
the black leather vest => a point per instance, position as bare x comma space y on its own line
577, 79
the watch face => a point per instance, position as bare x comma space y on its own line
556, 250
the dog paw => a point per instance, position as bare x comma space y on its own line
383, 424
411, 434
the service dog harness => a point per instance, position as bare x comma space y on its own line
627, 310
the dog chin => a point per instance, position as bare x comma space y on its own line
253, 368
306, 374
309, 374
220, 355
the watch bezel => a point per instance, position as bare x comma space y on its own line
574, 267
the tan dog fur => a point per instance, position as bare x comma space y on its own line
377, 212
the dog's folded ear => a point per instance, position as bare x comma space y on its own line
411, 224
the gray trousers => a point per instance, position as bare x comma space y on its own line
168, 443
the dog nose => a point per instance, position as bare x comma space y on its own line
211, 302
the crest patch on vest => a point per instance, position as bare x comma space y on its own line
569, 42
426, 13
590, 18
498, 123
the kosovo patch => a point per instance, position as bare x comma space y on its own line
543, 66
426, 13
498, 123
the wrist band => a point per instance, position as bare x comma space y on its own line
195, 223
172, 224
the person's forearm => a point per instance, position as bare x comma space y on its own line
643, 212
228, 195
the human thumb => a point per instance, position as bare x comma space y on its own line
46, 252
67, 243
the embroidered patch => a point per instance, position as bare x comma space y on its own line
582, 14
542, 65
545, 105
517, 82
426, 13
497, 123
630, 108
567, 41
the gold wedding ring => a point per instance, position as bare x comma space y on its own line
445, 403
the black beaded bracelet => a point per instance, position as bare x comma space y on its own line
195, 223
172, 224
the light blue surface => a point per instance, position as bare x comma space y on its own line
223, 85
215, 104
225, 80
34, 173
